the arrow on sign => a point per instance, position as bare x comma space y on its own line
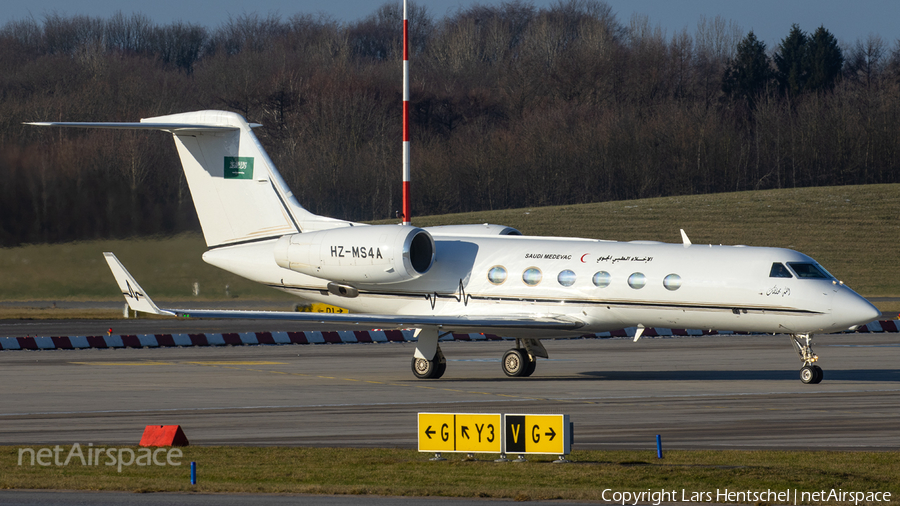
465, 431
552, 433
429, 432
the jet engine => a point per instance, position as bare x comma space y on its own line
359, 255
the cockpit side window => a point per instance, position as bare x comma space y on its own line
779, 271
807, 270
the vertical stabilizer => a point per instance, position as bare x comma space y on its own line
238, 194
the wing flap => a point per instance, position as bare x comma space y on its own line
338, 321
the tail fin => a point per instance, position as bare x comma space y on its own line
238, 194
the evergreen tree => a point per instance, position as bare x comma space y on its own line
749, 73
792, 62
825, 60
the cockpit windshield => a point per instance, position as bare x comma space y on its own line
779, 271
808, 270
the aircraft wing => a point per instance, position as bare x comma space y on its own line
138, 300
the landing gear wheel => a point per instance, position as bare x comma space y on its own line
819, 374
532, 365
808, 374
516, 363
428, 369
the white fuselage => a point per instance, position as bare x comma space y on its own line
607, 285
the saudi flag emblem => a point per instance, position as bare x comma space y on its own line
238, 167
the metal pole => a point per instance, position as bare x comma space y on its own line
407, 212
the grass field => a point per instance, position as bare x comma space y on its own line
409, 473
852, 230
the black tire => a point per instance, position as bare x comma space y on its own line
515, 362
428, 369
532, 365
808, 374
819, 374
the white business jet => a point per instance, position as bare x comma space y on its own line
476, 278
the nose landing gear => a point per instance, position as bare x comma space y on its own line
810, 373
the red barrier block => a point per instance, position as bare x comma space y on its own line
232, 339
96, 341
131, 341
62, 343
332, 337
199, 339
27, 343
165, 340
164, 435
362, 336
298, 338
265, 338
394, 336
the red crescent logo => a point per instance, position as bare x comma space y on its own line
582, 258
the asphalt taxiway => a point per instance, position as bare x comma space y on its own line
738, 392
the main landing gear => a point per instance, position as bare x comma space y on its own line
430, 369
517, 362
810, 373
521, 361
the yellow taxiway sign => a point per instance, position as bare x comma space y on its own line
460, 432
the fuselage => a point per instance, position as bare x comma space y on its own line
607, 285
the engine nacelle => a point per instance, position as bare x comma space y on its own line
359, 255
470, 230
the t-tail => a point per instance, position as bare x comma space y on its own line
237, 191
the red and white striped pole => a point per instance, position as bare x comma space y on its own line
406, 207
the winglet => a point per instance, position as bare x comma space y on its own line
135, 296
684, 238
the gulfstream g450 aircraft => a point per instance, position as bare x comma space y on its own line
476, 278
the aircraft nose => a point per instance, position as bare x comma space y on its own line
851, 309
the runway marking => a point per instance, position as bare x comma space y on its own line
237, 362
596, 400
600, 400
124, 363
862, 345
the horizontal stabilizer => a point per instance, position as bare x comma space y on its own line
134, 294
165, 127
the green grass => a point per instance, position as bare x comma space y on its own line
409, 473
852, 230
166, 267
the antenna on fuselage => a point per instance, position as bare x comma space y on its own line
406, 208
684, 238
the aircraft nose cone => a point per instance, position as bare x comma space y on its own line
849, 308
